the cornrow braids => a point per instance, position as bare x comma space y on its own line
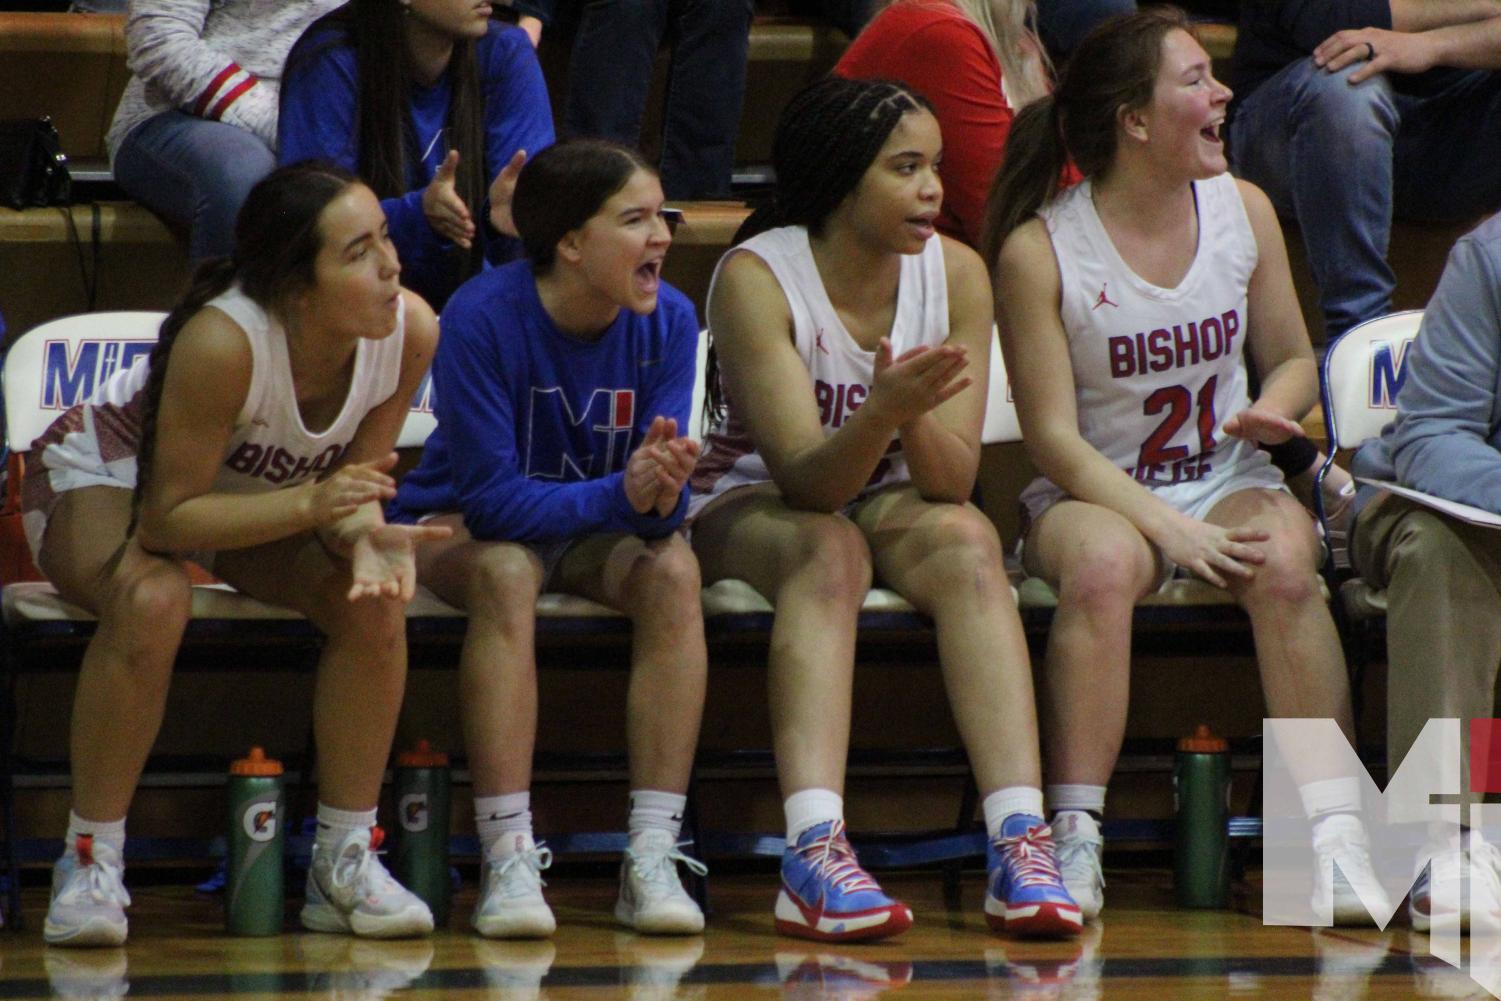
827, 137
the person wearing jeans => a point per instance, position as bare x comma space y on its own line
1353, 112
196, 127
610, 75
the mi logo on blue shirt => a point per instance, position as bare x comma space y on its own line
569, 446
70, 376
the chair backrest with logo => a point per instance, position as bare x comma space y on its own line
1363, 371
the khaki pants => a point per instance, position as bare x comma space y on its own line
1443, 625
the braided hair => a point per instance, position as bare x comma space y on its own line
277, 239
827, 137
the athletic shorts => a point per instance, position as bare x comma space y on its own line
1195, 498
550, 553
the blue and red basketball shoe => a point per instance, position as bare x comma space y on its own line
827, 897
1025, 895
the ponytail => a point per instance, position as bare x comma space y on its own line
210, 281
1113, 70
1028, 179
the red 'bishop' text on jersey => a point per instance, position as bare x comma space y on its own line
837, 402
276, 465
1162, 350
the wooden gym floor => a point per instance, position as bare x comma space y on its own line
1143, 948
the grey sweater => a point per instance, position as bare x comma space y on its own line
218, 59
1446, 440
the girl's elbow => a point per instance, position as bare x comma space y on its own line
151, 533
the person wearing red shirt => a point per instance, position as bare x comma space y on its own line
978, 62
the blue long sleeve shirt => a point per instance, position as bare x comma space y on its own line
534, 425
1446, 440
318, 102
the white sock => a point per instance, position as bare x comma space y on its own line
334, 825
504, 823
810, 807
1077, 797
1330, 796
110, 833
655, 810
1011, 800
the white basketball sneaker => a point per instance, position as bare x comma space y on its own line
652, 898
88, 897
349, 890
510, 903
1342, 869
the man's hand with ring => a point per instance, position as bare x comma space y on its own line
1398, 52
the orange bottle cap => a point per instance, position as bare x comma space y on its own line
1204, 742
255, 763
422, 756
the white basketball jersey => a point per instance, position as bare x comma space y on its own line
1156, 370
271, 447
841, 370
97, 443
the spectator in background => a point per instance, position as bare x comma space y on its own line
196, 126
1350, 113
978, 62
1442, 576
1346, 116
610, 73
1064, 23
435, 105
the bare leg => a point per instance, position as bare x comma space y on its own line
1297, 647
815, 570
946, 560
143, 602
362, 673
1101, 566
497, 583
655, 582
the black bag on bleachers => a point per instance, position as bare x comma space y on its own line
33, 167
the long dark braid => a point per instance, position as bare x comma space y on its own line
826, 139
276, 247
211, 279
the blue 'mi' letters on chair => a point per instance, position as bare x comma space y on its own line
1388, 372
72, 369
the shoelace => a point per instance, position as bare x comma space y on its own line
535, 859
358, 864
98, 879
1031, 857
1079, 852
835, 860
658, 867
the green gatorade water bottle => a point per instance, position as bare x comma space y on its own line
420, 784
1201, 796
253, 893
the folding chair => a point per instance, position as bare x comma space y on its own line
1363, 372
